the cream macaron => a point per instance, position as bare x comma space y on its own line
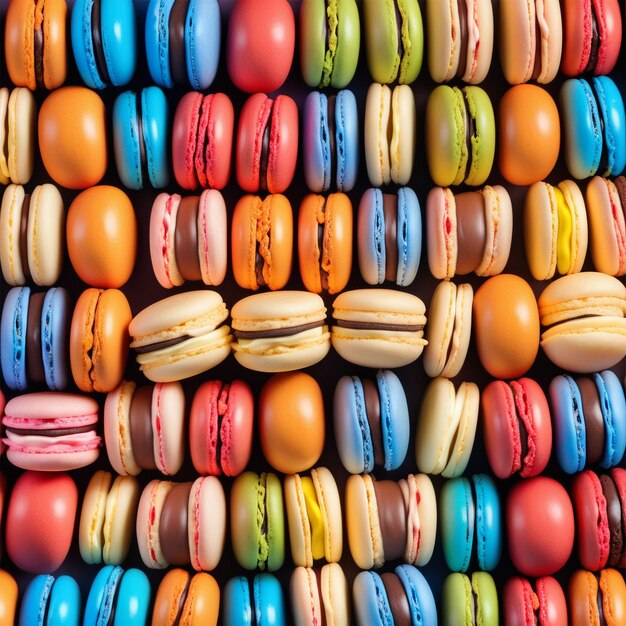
18, 117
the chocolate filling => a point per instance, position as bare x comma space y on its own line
390, 210
38, 53
470, 231
392, 516
186, 238
614, 514
380, 326
332, 133
321, 229
173, 525
463, 31
51, 432
96, 37
24, 237
595, 40
177, 55
594, 420
470, 131
161, 345
372, 408
141, 433
34, 360
398, 602
265, 150
140, 140
181, 601
276, 332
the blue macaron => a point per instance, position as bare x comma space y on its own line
371, 422
55, 315
373, 605
13, 324
51, 601
104, 41
594, 127
261, 603
331, 141
389, 231
118, 597
140, 138
471, 523
183, 42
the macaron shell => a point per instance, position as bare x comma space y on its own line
402, 145
22, 115
444, 45
395, 423
458, 516
8, 598
483, 141
13, 327
330, 507
154, 133
148, 521
127, 140
377, 116
369, 596
316, 142
305, 597
499, 218
612, 394
488, 522
442, 241
92, 517
419, 492
520, 600
419, 594
584, 590
64, 602
121, 508
157, 42
611, 109
10, 219
202, 42
212, 237
168, 421
541, 230
133, 599
579, 240
162, 248
4, 153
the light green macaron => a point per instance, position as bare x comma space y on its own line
470, 602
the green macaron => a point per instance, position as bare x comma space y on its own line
470, 601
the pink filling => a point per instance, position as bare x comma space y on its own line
167, 226
43, 423
156, 398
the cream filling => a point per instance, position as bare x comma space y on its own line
312, 335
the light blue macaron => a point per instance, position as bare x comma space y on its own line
331, 141
613, 403
202, 34
13, 333
50, 601
353, 432
261, 604
55, 315
111, 56
140, 138
374, 252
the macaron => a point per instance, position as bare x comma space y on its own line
181, 336
325, 242
35, 46
50, 600
449, 329
262, 241
267, 143
531, 40
99, 339
140, 134
39, 523
280, 331
399, 597
221, 427
50, 431
389, 236
118, 597
18, 117
258, 602
526, 603
144, 428
182, 598
8, 598
596, 598
34, 330
471, 523
106, 519
470, 601
389, 133
589, 416
446, 427
202, 140
394, 38
314, 517
606, 200
188, 238
592, 36
257, 522
594, 124
555, 229
516, 427
460, 40
72, 134
330, 141
183, 42
104, 42
529, 134
460, 135
506, 326
389, 520
32, 227
371, 422
583, 317
261, 43
2, 449
378, 327
101, 233
329, 60
469, 231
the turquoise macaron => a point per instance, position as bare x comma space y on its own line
140, 138
51, 601
594, 127
104, 41
261, 603
376, 602
471, 523
371, 421
118, 598
331, 141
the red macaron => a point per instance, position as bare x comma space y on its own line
544, 605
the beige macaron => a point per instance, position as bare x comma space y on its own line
18, 117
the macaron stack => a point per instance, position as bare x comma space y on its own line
328, 338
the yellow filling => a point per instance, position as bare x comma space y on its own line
315, 518
564, 235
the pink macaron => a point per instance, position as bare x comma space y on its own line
220, 427
51, 431
202, 140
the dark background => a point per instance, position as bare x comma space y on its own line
143, 289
